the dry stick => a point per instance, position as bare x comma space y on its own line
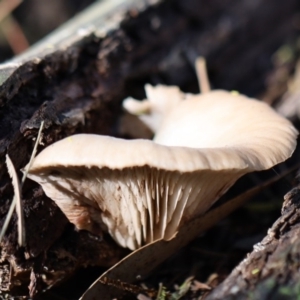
14, 35
202, 76
7, 6
21, 232
10, 27
135, 289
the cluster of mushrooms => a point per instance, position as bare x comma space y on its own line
143, 190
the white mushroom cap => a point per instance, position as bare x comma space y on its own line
141, 190
230, 120
160, 100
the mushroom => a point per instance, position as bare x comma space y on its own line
160, 100
142, 190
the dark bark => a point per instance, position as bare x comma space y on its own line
79, 88
271, 271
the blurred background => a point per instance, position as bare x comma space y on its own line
22, 23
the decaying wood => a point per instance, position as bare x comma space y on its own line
78, 85
271, 271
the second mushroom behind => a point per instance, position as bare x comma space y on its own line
142, 190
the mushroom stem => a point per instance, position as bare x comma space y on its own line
201, 71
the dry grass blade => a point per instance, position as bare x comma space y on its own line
17, 202
17, 194
142, 261
33, 152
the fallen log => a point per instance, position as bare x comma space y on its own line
271, 270
75, 80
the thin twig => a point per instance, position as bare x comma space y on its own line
201, 71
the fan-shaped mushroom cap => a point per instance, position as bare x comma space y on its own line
230, 120
141, 190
